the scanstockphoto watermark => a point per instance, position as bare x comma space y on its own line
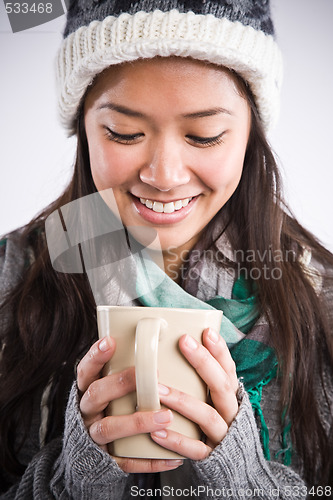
201, 491
27, 14
252, 264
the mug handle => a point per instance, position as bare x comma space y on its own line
146, 350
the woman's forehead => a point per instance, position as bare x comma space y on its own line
164, 75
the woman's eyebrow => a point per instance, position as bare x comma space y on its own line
208, 112
122, 109
138, 114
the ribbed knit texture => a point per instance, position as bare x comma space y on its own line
233, 41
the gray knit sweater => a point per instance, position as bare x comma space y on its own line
74, 467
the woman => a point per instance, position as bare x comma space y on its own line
178, 134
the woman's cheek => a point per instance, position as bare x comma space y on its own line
109, 168
224, 171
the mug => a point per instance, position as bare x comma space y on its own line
147, 338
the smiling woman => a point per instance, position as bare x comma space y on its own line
171, 102
174, 145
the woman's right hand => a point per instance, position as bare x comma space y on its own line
96, 392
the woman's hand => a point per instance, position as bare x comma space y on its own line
214, 364
96, 393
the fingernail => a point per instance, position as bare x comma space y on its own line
160, 434
93, 428
162, 417
213, 336
174, 463
104, 344
163, 390
191, 343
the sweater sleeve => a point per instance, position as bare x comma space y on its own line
237, 468
72, 467
83, 470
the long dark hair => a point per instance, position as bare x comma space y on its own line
54, 321
299, 316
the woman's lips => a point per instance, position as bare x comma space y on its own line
157, 212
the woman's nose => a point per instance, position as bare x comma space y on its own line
166, 168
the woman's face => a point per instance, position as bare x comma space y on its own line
169, 136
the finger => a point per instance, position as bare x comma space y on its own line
203, 414
108, 429
190, 448
88, 421
217, 346
101, 391
147, 465
92, 363
209, 369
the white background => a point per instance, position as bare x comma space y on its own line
36, 158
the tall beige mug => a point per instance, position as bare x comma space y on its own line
147, 338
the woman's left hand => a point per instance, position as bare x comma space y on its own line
214, 364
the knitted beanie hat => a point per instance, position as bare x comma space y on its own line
238, 34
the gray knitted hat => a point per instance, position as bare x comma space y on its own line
238, 34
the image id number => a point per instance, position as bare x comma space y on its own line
25, 8
313, 492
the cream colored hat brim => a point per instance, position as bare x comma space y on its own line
89, 50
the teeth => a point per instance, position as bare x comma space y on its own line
167, 208
157, 207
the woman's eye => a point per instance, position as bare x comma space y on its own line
122, 138
206, 141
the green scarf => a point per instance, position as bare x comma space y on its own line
256, 361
